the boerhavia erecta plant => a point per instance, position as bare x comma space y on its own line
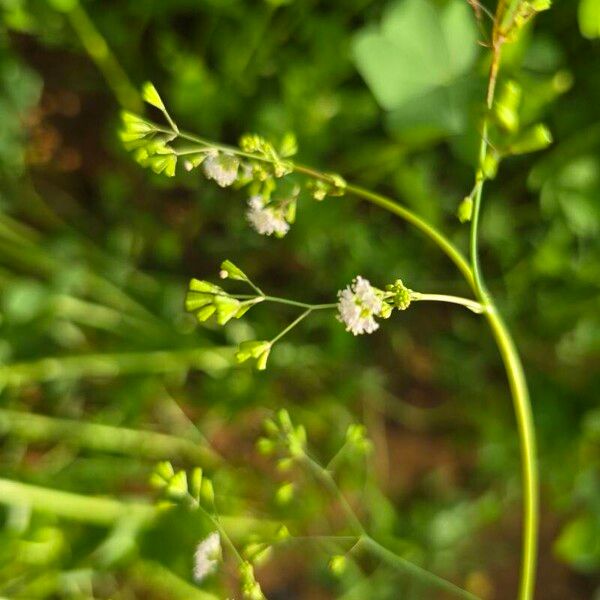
274, 185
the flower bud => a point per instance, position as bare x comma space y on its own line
265, 446
535, 138
207, 492
228, 269
338, 564
196, 483
151, 96
177, 487
226, 308
162, 474
465, 210
284, 494
506, 107
401, 294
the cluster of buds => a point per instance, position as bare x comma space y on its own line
518, 13
176, 487
206, 299
282, 436
334, 185
256, 164
150, 147
506, 137
360, 302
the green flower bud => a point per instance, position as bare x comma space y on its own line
163, 164
401, 294
285, 420
289, 145
507, 105
226, 307
270, 427
257, 552
535, 138
285, 464
284, 494
465, 210
386, 310
228, 269
251, 349
194, 160
338, 564
161, 475
490, 165
265, 446
261, 361
207, 492
151, 96
205, 313
199, 285
541, 5
196, 483
177, 487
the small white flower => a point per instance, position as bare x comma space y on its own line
207, 556
358, 304
221, 167
265, 219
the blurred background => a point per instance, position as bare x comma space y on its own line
102, 373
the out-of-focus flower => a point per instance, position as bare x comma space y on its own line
207, 556
221, 167
266, 219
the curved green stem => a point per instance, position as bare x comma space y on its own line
526, 430
508, 351
472, 305
447, 247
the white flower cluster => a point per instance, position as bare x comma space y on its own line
266, 219
207, 556
357, 305
221, 167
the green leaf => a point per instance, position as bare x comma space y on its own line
589, 18
579, 544
417, 50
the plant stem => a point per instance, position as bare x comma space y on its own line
408, 215
472, 305
292, 325
410, 568
507, 348
88, 509
101, 54
371, 545
112, 365
105, 438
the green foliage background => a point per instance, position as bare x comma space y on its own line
95, 255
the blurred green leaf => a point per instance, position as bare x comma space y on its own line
589, 18
414, 60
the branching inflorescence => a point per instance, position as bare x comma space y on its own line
274, 185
